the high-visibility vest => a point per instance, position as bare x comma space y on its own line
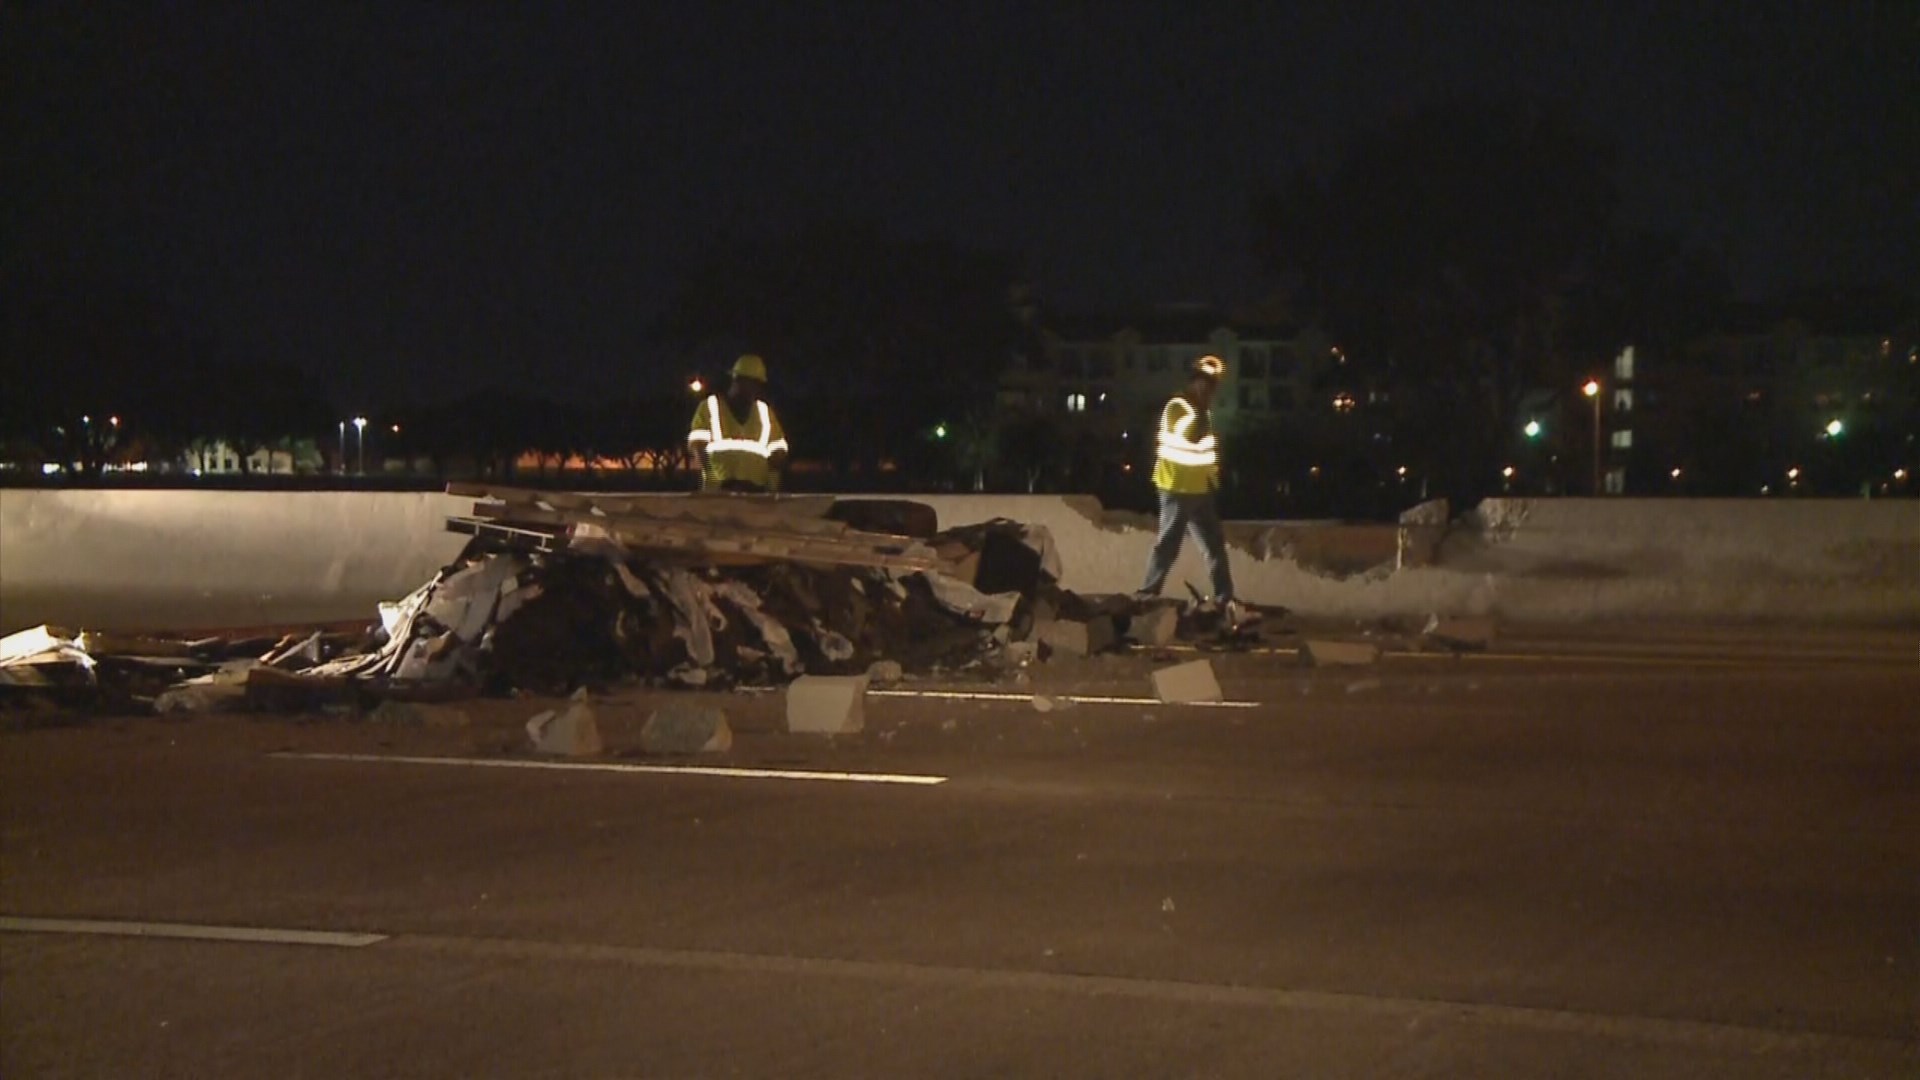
1185, 465
736, 450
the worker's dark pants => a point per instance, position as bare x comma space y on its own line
1189, 513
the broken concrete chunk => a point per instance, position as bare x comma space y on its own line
1074, 638
827, 704
1156, 626
1463, 633
963, 599
683, 728
32, 646
1339, 653
1021, 653
885, 672
570, 732
202, 697
1187, 682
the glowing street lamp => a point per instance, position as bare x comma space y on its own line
1592, 390
695, 385
1532, 429
1834, 428
360, 429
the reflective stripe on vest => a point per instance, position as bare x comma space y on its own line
718, 441
1174, 444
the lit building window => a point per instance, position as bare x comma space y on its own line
1623, 365
1623, 401
1076, 403
1343, 402
1616, 481
1623, 439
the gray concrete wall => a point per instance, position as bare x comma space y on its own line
193, 559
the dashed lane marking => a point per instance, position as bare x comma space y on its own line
188, 931
722, 771
1078, 699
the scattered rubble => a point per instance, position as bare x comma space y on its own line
1189, 682
827, 704
570, 732
1157, 626
687, 728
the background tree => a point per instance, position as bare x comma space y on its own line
1443, 253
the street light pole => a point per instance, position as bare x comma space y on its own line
343, 448
360, 428
1592, 390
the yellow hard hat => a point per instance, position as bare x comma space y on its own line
750, 367
1211, 366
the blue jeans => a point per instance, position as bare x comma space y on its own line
1197, 514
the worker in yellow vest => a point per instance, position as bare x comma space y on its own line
1187, 473
738, 439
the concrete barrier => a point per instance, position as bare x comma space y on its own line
183, 560
130, 560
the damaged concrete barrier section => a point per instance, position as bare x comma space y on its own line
555, 592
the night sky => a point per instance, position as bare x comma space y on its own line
400, 196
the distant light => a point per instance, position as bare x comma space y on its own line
1899, 474
696, 385
360, 422
1126, 435
1592, 389
48, 468
1315, 471
1507, 472
86, 419
1793, 473
939, 431
395, 429
1402, 470
1766, 489
1675, 474
114, 420
1533, 429
1128, 467
1835, 427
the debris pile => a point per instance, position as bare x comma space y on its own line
558, 591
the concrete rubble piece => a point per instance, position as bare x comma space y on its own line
1189, 682
827, 704
570, 732
687, 728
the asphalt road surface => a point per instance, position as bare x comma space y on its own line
1586, 858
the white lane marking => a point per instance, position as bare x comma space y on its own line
188, 931
1078, 699
913, 779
